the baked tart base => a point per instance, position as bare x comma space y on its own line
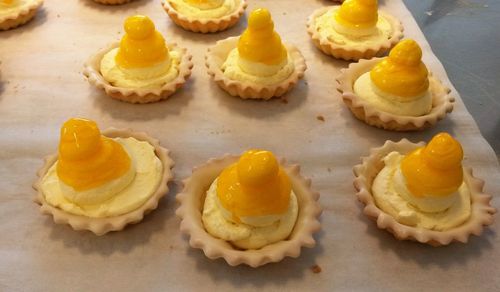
359, 51
217, 55
442, 102
192, 199
209, 25
481, 210
138, 95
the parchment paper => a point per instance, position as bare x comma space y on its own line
42, 86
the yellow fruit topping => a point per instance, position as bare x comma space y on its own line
206, 4
142, 46
402, 73
435, 169
254, 186
358, 14
86, 158
260, 43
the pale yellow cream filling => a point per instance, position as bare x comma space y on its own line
329, 30
148, 174
13, 8
149, 77
390, 194
236, 68
365, 89
192, 12
243, 235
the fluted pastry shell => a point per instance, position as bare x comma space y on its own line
21, 17
192, 198
101, 226
358, 51
138, 95
112, 2
217, 55
481, 210
208, 25
442, 102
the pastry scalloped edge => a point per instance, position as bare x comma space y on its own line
112, 2
101, 226
191, 204
481, 210
217, 55
359, 51
20, 17
442, 102
208, 25
138, 95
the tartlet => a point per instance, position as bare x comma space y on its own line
440, 102
365, 173
103, 225
218, 55
190, 211
359, 50
142, 94
21, 16
205, 25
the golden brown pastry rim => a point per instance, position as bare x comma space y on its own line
93, 74
191, 205
217, 55
208, 25
481, 210
100, 226
442, 102
360, 51
20, 17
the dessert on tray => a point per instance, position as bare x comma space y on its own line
14, 13
257, 64
421, 192
102, 181
397, 92
141, 68
354, 30
205, 15
249, 209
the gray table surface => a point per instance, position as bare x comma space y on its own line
465, 36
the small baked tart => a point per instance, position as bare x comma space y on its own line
355, 30
102, 182
256, 65
112, 2
141, 68
252, 226
206, 16
395, 93
422, 193
14, 13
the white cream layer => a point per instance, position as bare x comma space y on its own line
149, 77
386, 190
243, 235
194, 12
236, 68
366, 89
148, 176
330, 30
